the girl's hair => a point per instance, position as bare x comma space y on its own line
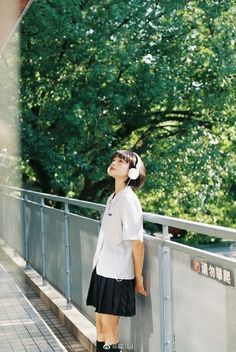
131, 158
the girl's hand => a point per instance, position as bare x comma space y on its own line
139, 287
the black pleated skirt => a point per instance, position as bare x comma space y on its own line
110, 296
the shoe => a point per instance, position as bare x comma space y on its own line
99, 346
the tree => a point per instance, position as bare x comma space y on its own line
156, 78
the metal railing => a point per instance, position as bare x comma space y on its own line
192, 292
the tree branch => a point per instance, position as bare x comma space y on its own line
83, 4
42, 176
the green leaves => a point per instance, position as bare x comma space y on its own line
156, 78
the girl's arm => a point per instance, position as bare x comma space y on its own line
138, 258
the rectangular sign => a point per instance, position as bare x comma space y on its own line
213, 271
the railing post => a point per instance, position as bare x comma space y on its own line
1, 214
101, 216
42, 240
26, 231
14, 224
67, 256
166, 317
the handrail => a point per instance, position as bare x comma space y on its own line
203, 228
80, 203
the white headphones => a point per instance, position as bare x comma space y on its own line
134, 171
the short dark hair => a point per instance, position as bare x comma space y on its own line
132, 159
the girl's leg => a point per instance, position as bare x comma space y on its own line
99, 331
110, 324
99, 334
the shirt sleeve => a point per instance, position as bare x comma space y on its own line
132, 220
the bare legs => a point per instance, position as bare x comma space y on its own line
99, 332
107, 327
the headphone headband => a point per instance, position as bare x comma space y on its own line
138, 164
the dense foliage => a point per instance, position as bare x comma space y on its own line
155, 77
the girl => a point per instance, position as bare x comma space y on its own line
118, 259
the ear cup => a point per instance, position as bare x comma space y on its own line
108, 169
133, 173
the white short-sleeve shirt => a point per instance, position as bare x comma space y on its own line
122, 222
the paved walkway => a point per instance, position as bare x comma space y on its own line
26, 323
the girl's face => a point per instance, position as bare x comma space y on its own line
118, 168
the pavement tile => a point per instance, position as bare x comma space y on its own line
26, 323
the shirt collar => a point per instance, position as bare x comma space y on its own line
119, 193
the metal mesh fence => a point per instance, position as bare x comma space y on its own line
143, 331
204, 309
83, 234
